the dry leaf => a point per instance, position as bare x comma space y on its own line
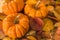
31, 37
48, 25
56, 14
57, 34
57, 8
57, 24
8, 38
1, 35
32, 32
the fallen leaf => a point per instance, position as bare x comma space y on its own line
31, 37
31, 32
48, 26
57, 24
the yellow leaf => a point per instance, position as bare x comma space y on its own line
31, 37
48, 26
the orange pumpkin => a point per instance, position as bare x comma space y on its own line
35, 9
15, 26
13, 6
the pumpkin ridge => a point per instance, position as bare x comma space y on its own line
24, 29
23, 26
35, 14
41, 13
5, 8
14, 6
19, 31
9, 34
10, 7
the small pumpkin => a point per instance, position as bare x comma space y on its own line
35, 9
13, 6
15, 26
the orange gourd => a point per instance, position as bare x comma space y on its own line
13, 6
34, 8
15, 26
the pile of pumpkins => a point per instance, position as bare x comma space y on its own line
17, 18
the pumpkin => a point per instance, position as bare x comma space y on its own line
15, 26
13, 6
35, 9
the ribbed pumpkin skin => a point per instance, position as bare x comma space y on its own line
15, 30
13, 7
32, 12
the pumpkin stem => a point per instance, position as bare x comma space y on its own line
16, 21
36, 6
